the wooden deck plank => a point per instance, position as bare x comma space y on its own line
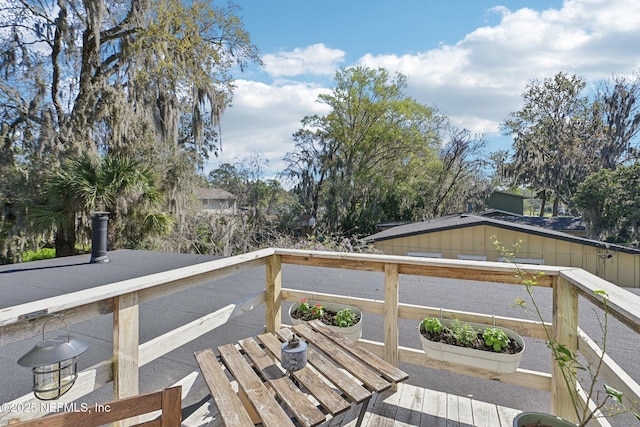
453, 410
434, 409
409, 405
506, 415
270, 412
385, 409
484, 414
417, 406
357, 369
297, 402
325, 394
386, 369
465, 411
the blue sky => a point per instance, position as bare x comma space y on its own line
469, 58
373, 26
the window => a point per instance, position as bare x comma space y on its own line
534, 261
472, 257
425, 254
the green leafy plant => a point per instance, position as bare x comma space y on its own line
432, 325
310, 312
317, 311
568, 361
44, 253
496, 339
344, 318
303, 306
464, 333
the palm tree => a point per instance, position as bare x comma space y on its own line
117, 184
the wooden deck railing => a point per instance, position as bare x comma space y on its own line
123, 299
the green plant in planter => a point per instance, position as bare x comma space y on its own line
432, 325
463, 333
568, 361
496, 339
344, 318
311, 311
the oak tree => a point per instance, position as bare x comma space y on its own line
343, 161
550, 139
142, 79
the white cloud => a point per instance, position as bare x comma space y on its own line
316, 59
479, 80
263, 118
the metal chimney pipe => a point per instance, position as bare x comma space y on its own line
99, 221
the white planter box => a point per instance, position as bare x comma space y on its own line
487, 360
352, 332
531, 418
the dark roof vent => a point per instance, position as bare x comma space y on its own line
99, 221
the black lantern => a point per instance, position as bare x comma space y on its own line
53, 363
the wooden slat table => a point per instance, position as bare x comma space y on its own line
339, 374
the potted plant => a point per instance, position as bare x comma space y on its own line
570, 365
472, 344
539, 419
342, 318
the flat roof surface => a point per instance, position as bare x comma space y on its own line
32, 281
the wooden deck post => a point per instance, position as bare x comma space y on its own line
391, 290
565, 324
274, 293
126, 324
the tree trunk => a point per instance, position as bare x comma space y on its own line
543, 203
66, 238
556, 204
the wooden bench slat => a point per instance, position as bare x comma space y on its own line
168, 400
229, 405
326, 395
270, 412
347, 384
356, 368
386, 369
297, 402
171, 413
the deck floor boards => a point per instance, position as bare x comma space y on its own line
415, 406
410, 406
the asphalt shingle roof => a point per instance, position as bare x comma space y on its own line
471, 220
555, 223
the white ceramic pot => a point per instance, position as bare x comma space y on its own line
528, 418
487, 360
352, 332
